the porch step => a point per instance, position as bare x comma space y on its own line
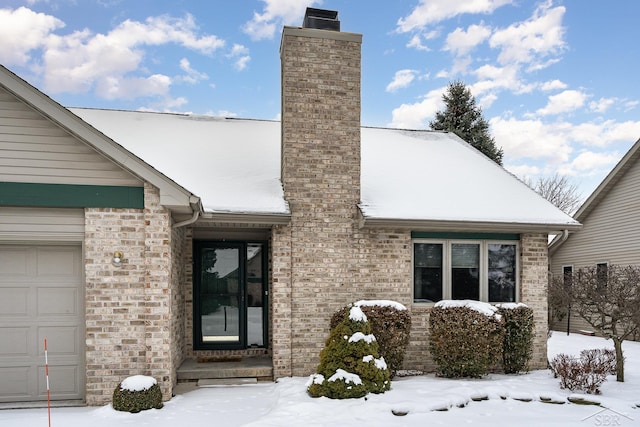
254, 368
212, 382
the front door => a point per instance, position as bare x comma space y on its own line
229, 295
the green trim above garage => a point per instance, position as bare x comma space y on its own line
464, 236
70, 196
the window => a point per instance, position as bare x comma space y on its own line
602, 274
456, 269
567, 276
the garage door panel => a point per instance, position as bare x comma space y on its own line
57, 301
13, 302
14, 261
57, 263
61, 340
14, 341
15, 382
63, 381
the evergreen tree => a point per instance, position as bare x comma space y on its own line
463, 117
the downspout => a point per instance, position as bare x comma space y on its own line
196, 205
554, 247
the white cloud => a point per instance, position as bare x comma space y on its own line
590, 162
134, 87
553, 85
240, 54
566, 101
401, 79
630, 105
487, 100
112, 63
534, 40
492, 78
416, 43
192, 76
429, 12
417, 115
531, 139
602, 104
461, 42
275, 14
21, 31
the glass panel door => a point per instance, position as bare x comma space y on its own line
219, 300
255, 295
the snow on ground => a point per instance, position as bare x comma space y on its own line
491, 401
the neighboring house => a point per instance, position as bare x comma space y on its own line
137, 241
610, 233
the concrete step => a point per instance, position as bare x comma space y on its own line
212, 382
249, 367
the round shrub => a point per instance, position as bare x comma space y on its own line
518, 337
137, 393
350, 365
390, 324
465, 338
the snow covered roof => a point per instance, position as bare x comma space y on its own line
416, 179
232, 165
409, 177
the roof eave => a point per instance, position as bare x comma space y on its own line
253, 218
466, 226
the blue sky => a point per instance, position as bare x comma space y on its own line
557, 80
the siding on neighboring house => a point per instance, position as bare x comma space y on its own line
610, 234
36, 150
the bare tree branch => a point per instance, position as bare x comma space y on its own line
559, 190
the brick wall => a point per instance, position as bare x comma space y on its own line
534, 279
321, 178
128, 306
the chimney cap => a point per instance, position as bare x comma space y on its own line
321, 19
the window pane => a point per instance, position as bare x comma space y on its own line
465, 268
427, 276
502, 273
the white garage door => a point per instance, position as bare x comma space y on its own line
41, 296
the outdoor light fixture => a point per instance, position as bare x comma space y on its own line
117, 258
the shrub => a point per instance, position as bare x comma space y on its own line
350, 365
465, 338
603, 358
390, 324
137, 393
586, 372
518, 337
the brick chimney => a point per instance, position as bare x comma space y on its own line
320, 175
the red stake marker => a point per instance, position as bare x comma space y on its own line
46, 371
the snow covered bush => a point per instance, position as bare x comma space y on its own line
586, 372
518, 336
390, 323
137, 393
465, 337
350, 365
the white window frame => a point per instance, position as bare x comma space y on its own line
483, 266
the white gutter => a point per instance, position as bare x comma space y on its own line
196, 205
